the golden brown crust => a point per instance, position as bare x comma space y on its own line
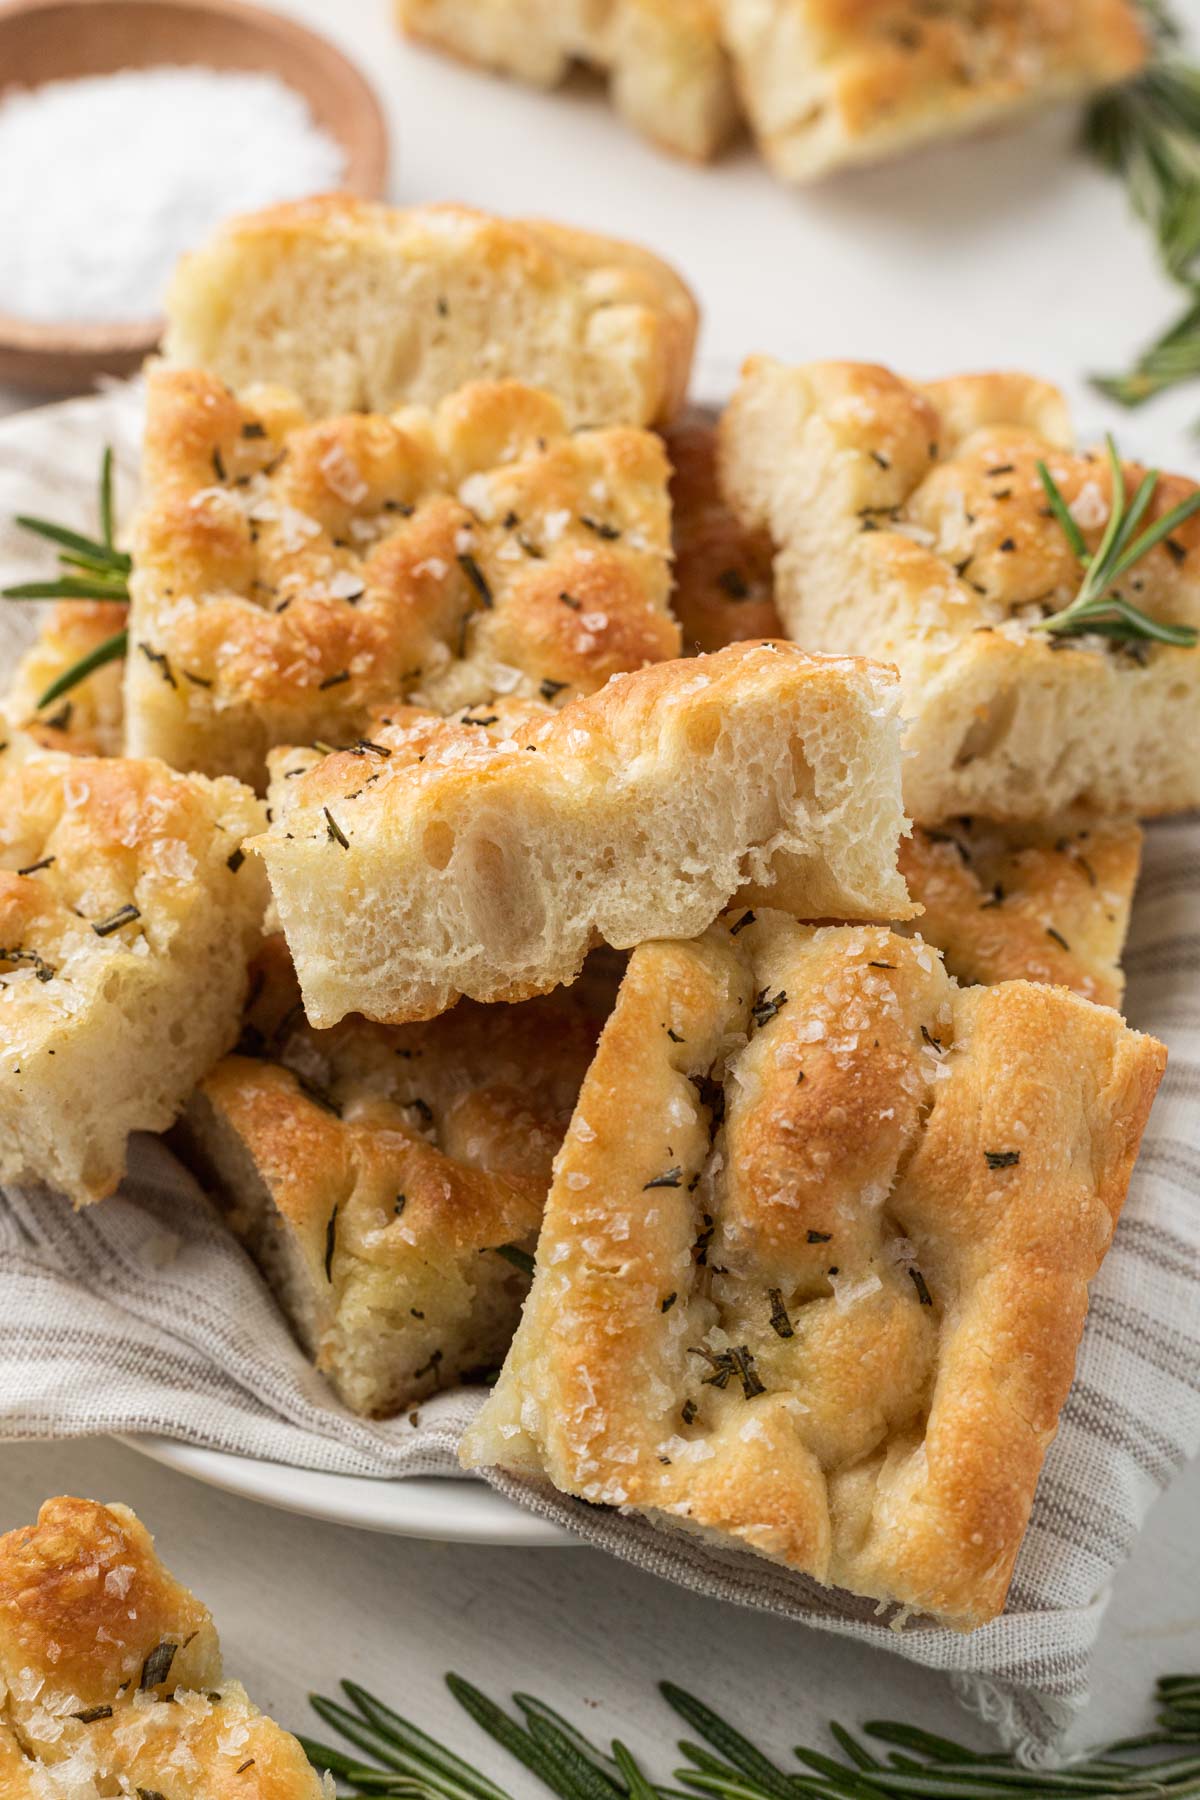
398, 1159
815, 1261
95, 1635
640, 810
89, 720
1038, 905
832, 82
912, 524
289, 577
667, 66
309, 294
723, 590
127, 915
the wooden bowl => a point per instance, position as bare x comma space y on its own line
49, 40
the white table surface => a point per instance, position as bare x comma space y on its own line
1007, 251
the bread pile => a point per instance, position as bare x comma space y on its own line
820, 85
111, 1675
598, 954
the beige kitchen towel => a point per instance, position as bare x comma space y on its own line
143, 1315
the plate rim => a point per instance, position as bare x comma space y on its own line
434, 1508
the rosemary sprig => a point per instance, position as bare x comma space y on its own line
1170, 359
89, 569
1099, 606
1147, 133
411, 1765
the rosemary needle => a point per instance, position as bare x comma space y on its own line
919, 1764
90, 569
1098, 606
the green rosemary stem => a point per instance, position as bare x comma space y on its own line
1098, 606
113, 649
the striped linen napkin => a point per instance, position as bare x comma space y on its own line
143, 1314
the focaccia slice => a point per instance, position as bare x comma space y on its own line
485, 856
362, 307
111, 1676
668, 70
814, 1265
128, 914
289, 577
389, 1180
912, 526
1003, 904
827, 83
88, 721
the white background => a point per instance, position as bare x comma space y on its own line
1006, 251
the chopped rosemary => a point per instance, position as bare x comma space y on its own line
747, 918
33, 868
780, 1321
918, 1281
1002, 1159
764, 1009
333, 830
724, 1365
234, 862
520, 1259
820, 1237
669, 1301
92, 1713
1058, 937
673, 1178
331, 681
476, 577
124, 915
42, 969
330, 1243
1098, 606
157, 1665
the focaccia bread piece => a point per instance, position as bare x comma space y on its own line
827, 83
89, 721
362, 307
289, 577
486, 857
111, 1677
668, 70
379, 1174
128, 914
814, 1265
912, 527
723, 590
1006, 903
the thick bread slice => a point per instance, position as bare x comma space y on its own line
814, 1266
360, 307
912, 527
291, 576
383, 1176
486, 858
828, 83
111, 1677
128, 914
668, 69
1033, 903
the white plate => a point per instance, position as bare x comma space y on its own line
453, 1512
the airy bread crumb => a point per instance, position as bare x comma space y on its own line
362, 307
128, 913
486, 856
